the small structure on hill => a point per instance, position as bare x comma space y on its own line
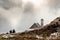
42, 22
35, 25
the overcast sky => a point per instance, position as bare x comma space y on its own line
21, 14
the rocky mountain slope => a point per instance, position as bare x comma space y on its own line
40, 33
48, 29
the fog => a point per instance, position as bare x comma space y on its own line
20, 14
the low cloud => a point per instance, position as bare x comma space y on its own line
14, 14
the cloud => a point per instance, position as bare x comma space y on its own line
7, 4
4, 25
28, 7
54, 6
17, 15
10, 14
54, 3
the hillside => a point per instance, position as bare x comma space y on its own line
45, 31
39, 33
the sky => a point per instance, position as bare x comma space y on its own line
21, 14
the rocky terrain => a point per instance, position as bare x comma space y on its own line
47, 29
42, 33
